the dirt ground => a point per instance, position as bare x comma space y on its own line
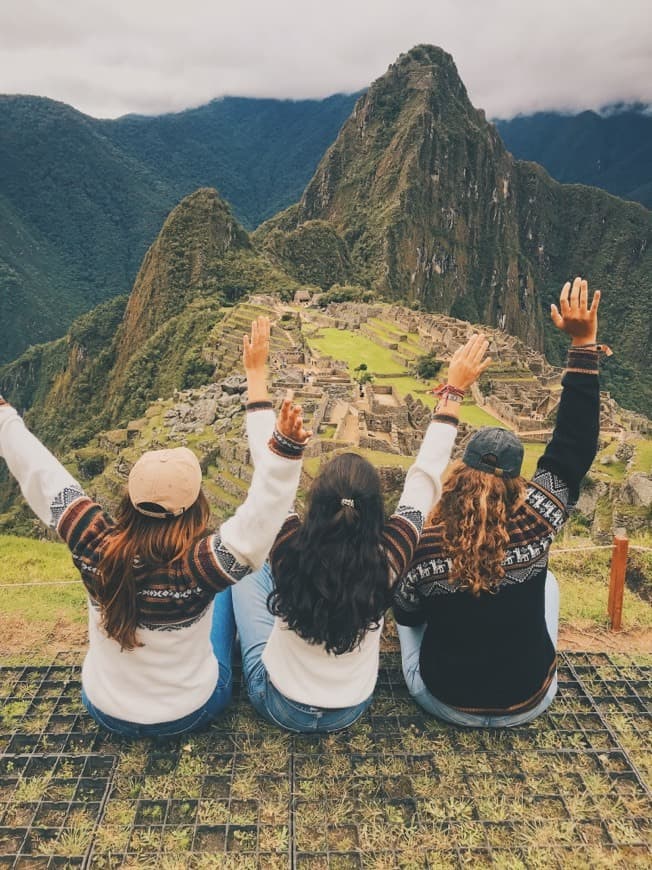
25, 641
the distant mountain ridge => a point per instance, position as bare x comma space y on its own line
611, 149
81, 199
416, 200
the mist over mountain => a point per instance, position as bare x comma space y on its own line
610, 149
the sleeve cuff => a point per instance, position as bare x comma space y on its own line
583, 361
281, 445
259, 406
445, 418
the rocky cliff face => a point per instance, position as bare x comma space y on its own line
434, 210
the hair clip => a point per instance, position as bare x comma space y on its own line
347, 502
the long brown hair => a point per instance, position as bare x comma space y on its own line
148, 541
473, 514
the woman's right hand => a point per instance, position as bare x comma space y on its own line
468, 362
255, 353
574, 315
255, 348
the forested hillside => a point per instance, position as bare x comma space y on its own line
82, 199
613, 151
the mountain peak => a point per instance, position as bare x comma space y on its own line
198, 231
425, 55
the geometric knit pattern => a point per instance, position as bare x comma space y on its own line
412, 515
62, 501
228, 562
169, 596
532, 531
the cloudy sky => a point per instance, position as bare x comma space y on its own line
110, 57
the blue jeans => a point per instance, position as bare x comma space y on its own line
222, 637
255, 624
410, 639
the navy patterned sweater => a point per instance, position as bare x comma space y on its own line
492, 654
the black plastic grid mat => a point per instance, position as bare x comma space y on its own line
399, 789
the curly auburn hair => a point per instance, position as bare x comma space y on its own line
473, 514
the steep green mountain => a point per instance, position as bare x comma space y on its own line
434, 210
417, 200
125, 353
76, 216
611, 151
82, 199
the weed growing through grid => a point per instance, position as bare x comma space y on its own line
399, 789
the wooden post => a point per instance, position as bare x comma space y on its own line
617, 579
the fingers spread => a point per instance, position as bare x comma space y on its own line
596, 301
584, 295
557, 319
563, 299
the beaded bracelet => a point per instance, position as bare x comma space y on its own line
446, 392
601, 348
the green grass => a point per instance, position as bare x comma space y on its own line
532, 452
353, 349
24, 560
584, 584
643, 456
376, 457
476, 416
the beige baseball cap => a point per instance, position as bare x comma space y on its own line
168, 479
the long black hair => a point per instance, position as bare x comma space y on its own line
332, 576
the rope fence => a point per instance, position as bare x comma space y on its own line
618, 569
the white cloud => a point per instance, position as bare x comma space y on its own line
153, 56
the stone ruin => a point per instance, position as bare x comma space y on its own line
521, 389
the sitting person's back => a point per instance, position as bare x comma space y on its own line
478, 609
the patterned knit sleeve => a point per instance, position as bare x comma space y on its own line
408, 603
400, 538
574, 443
47, 486
84, 525
213, 565
428, 575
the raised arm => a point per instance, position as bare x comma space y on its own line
422, 488
47, 486
276, 452
574, 442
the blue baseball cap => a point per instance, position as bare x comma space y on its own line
496, 451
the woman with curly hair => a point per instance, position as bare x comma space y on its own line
478, 610
310, 621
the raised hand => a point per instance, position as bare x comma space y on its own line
574, 315
468, 362
255, 353
290, 421
255, 348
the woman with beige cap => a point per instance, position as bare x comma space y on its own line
160, 635
478, 610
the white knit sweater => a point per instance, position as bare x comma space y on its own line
175, 671
304, 671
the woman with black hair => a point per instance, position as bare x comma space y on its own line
310, 620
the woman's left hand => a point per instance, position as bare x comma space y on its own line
468, 362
